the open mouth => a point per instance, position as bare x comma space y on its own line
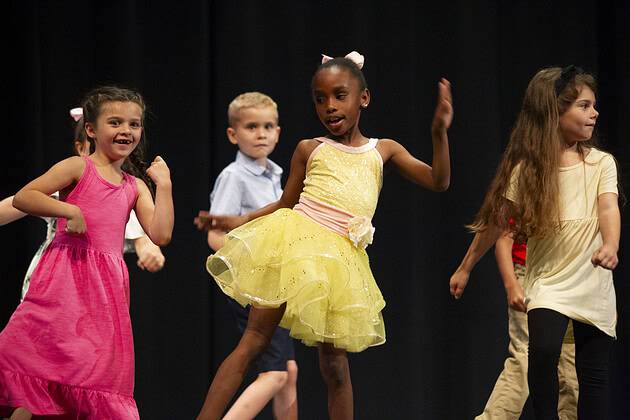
127, 142
334, 121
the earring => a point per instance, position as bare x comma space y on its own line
363, 106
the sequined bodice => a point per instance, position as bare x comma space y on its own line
348, 178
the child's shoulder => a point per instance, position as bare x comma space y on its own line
72, 166
229, 169
73, 162
307, 144
388, 143
141, 185
305, 148
388, 148
596, 156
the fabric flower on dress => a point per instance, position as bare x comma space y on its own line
360, 231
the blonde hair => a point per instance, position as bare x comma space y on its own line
534, 148
249, 100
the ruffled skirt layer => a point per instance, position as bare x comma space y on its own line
325, 281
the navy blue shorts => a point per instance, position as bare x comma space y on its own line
280, 348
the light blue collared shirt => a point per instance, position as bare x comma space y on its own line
244, 186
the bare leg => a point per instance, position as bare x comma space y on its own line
260, 327
21, 413
257, 395
285, 401
334, 367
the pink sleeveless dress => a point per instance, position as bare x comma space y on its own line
68, 348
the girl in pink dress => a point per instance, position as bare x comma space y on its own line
67, 351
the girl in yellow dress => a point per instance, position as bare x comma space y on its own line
301, 261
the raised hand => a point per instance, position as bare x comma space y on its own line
76, 223
159, 172
444, 109
206, 221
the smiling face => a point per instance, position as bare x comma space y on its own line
338, 100
255, 132
117, 130
578, 121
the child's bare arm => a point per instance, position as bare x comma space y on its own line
216, 239
34, 198
479, 246
157, 219
8, 213
513, 289
610, 228
290, 195
436, 177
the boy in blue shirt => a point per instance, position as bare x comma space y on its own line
250, 182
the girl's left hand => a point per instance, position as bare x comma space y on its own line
159, 172
444, 109
606, 257
150, 256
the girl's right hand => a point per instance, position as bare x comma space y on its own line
516, 297
76, 223
206, 221
458, 282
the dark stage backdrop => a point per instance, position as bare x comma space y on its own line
190, 58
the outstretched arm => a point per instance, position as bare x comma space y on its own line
513, 288
290, 195
157, 219
8, 213
436, 177
479, 246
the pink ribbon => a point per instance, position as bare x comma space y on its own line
76, 114
357, 58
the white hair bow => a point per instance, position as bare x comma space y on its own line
357, 58
76, 114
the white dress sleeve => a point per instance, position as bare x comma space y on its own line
133, 231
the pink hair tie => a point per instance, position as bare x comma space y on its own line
76, 114
354, 56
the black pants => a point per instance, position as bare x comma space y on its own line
592, 355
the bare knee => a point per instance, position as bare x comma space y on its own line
251, 345
254, 341
334, 369
277, 379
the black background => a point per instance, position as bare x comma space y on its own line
190, 58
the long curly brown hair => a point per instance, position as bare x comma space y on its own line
92, 104
534, 148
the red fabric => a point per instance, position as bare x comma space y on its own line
519, 251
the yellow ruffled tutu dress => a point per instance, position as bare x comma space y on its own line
313, 256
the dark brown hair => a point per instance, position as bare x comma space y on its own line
92, 105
